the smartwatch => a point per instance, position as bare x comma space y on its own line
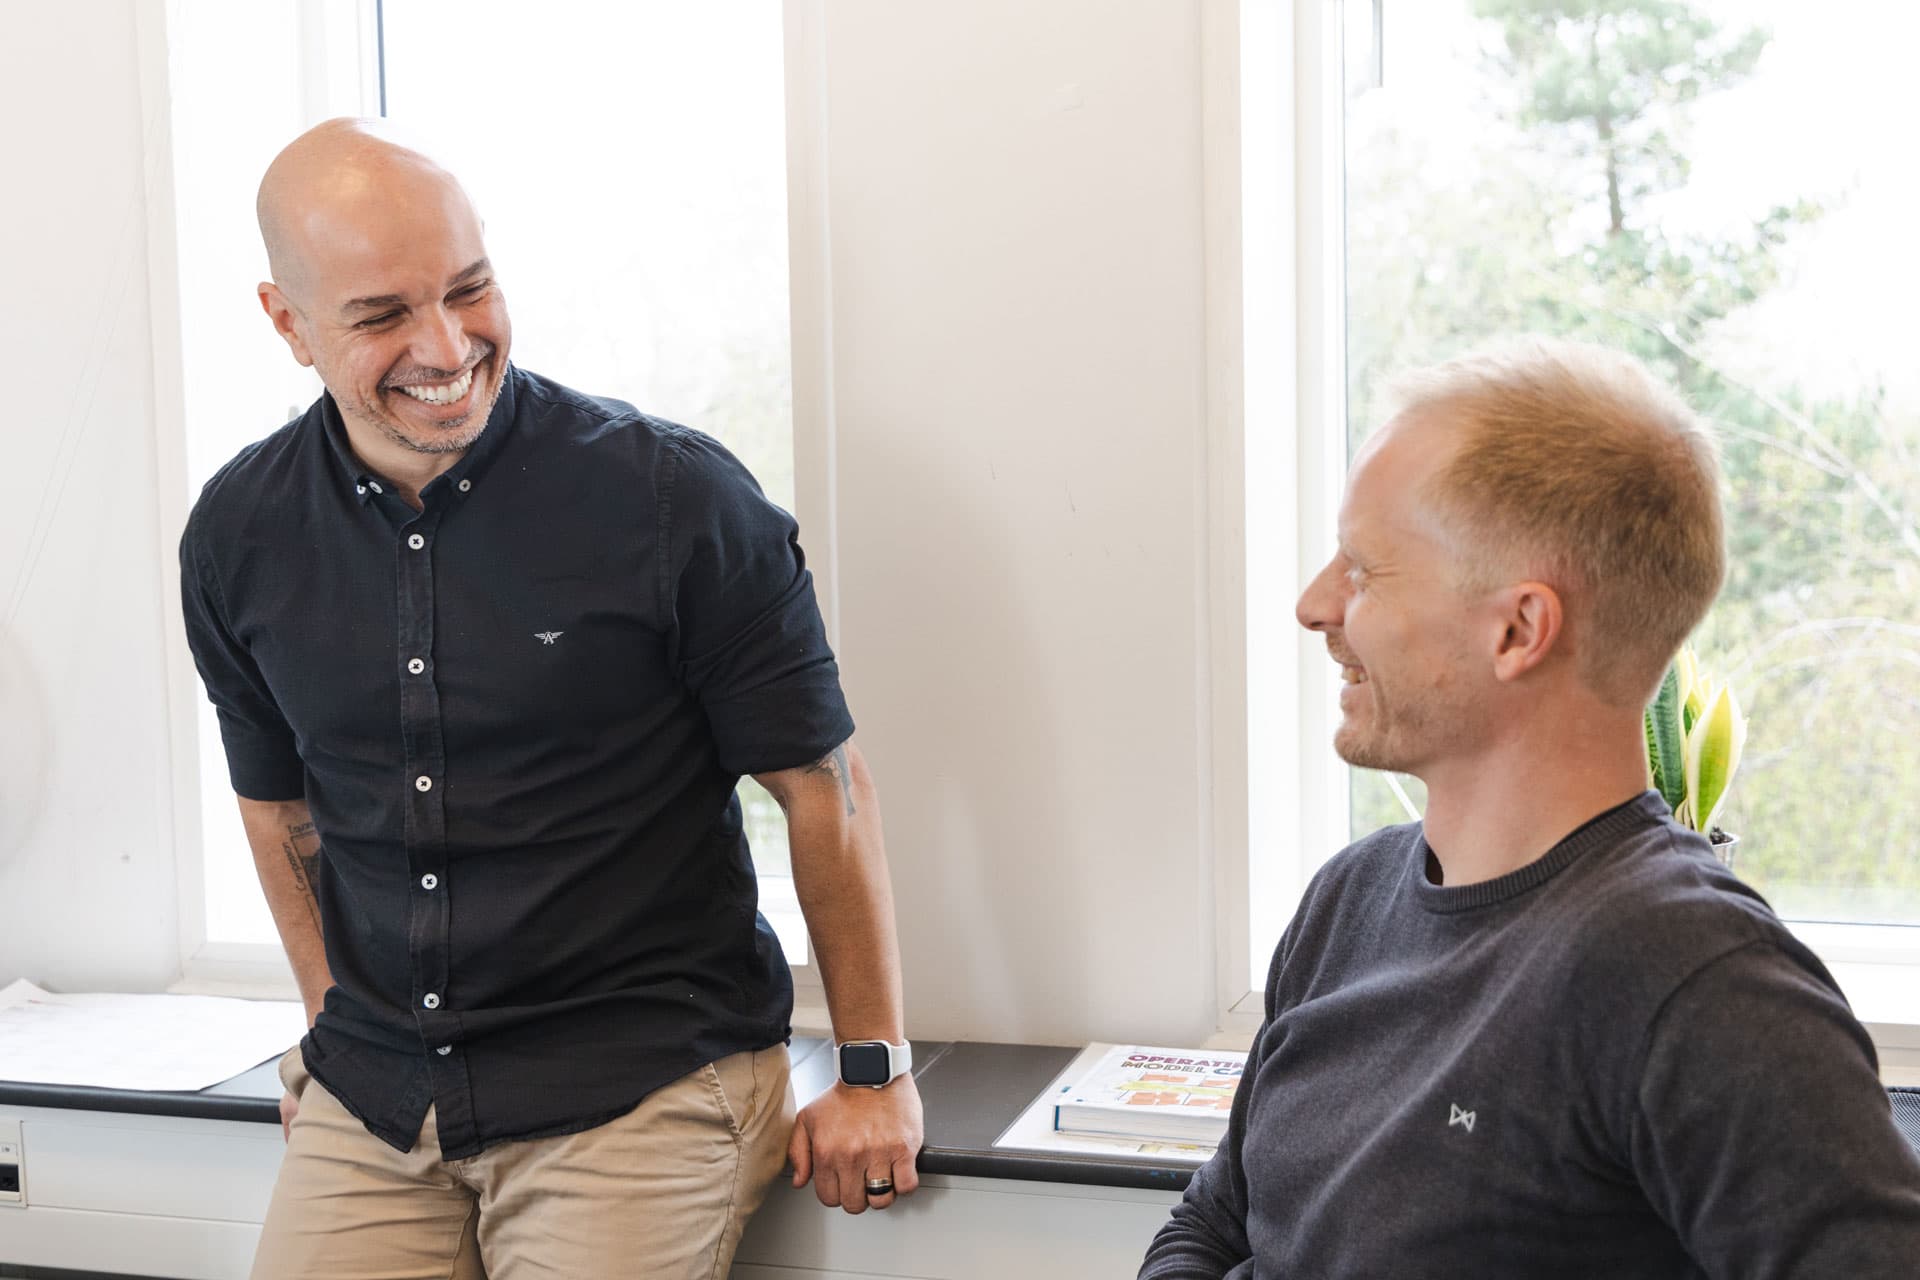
872, 1064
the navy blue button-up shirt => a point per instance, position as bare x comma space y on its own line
518, 716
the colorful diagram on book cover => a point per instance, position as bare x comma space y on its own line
1164, 1089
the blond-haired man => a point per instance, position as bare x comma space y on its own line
1543, 1032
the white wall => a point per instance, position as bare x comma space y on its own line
1016, 298
1014, 200
86, 860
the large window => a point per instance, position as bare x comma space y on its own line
1721, 187
630, 164
1724, 188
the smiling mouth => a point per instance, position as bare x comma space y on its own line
1350, 672
441, 392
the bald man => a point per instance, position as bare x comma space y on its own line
490, 657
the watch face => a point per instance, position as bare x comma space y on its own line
865, 1064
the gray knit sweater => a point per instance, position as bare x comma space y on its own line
1613, 1062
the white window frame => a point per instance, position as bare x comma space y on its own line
339, 64
1276, 427
816, 435
1275, 159
339, 67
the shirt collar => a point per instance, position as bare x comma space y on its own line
368, 485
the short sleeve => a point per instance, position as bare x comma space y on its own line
262, 761
744, 630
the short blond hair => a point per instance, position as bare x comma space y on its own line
1573, 461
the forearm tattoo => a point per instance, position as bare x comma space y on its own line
835, 763
302, 848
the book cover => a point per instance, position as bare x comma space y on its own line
1149, 1092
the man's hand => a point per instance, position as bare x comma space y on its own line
847, 1135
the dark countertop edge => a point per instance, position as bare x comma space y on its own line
1030, 1166
186, 1106
962, 1161
1040, 1166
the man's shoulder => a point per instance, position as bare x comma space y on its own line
1371, 863
547, 399
593, 417
233, 491
1358, 881
1645, 915
614, 426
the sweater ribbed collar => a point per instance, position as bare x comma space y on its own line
1645, 810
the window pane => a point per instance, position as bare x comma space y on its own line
1722, 187
630, 163
240, 382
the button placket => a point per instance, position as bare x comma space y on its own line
424, 763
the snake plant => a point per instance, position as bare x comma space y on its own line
1695, 732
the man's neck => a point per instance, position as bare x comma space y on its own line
1498, 811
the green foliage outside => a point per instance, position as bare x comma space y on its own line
1819, 626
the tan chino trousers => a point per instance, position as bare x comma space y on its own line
663, 1191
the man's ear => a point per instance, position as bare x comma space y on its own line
286, 320
1530, 616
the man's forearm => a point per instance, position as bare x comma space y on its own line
287, 854
840, 877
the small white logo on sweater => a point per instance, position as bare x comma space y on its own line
1455, 1116
547, 637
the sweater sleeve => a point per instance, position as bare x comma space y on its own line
1762, 1133
1206, 1239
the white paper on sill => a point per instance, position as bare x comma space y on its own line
162, 1043
1033, 1130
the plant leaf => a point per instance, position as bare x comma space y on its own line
1666, 740
1713, 754
1694, 681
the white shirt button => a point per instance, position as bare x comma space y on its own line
423, 783
415, 541
415, 666
360, 489
444, 1050
430, 1000
375, 486
465, 485
429, 881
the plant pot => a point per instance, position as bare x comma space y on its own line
1724, 845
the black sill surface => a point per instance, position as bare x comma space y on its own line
971, 1093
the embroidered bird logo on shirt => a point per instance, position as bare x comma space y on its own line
1455, 1116
547, 637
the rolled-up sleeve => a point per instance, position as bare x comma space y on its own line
744, 630
262, 760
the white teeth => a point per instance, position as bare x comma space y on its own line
444, 393
1353, 675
